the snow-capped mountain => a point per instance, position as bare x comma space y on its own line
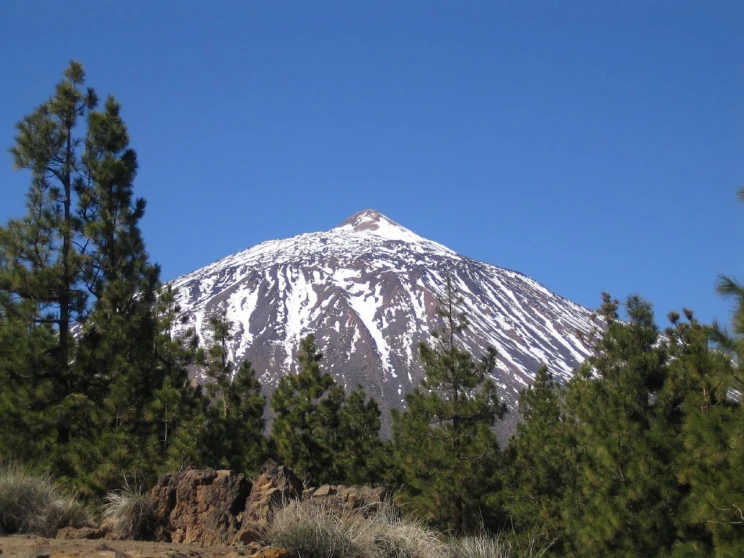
368, 291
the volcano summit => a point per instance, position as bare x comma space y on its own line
368, 291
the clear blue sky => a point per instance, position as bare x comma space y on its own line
593, 145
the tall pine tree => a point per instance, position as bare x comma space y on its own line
177, 412
116, 351
625, 498
45, 263
234, 435
443, 441
709, 373
77, 291
43, 253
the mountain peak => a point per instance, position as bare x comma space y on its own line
371, 221
368, 219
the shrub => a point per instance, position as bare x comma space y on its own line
130, 513
30, 502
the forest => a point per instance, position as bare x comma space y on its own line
641, 453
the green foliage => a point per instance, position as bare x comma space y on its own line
359, 457
45, 254
234, 432
318, 432
98, 405
712, 427
625, 498
306, 423
444, 446
176, 411
41, 272
25, 388
539, 469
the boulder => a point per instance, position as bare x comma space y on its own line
200, 507
273, 489
363, 498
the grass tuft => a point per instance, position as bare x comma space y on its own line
312, 530
30, 502
130, 513
315, 531
485, 545
396, 537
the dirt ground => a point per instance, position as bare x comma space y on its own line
27, 546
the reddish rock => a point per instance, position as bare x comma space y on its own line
361, 496
199, 506
323, 491
273, 489
349, 497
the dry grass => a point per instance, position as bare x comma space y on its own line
312, 530
131, 513
315, 530
396, 537
31, 503
485, 545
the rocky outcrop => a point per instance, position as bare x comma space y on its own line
225, 508
273, 489
362, 498
200, 506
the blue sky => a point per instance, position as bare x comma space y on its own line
593, 145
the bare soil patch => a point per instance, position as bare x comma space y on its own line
28, 546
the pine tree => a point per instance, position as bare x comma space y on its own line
307, 405
245, 421
25, 353
539, 469
43, 253
46, 266
217, 362
690, 388
234, 433
77, 259
359, 458
712, 430
177, 410
116, 354
443, 441
625, 498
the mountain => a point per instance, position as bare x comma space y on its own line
367, 289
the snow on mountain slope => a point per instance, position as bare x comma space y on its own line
367, 289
